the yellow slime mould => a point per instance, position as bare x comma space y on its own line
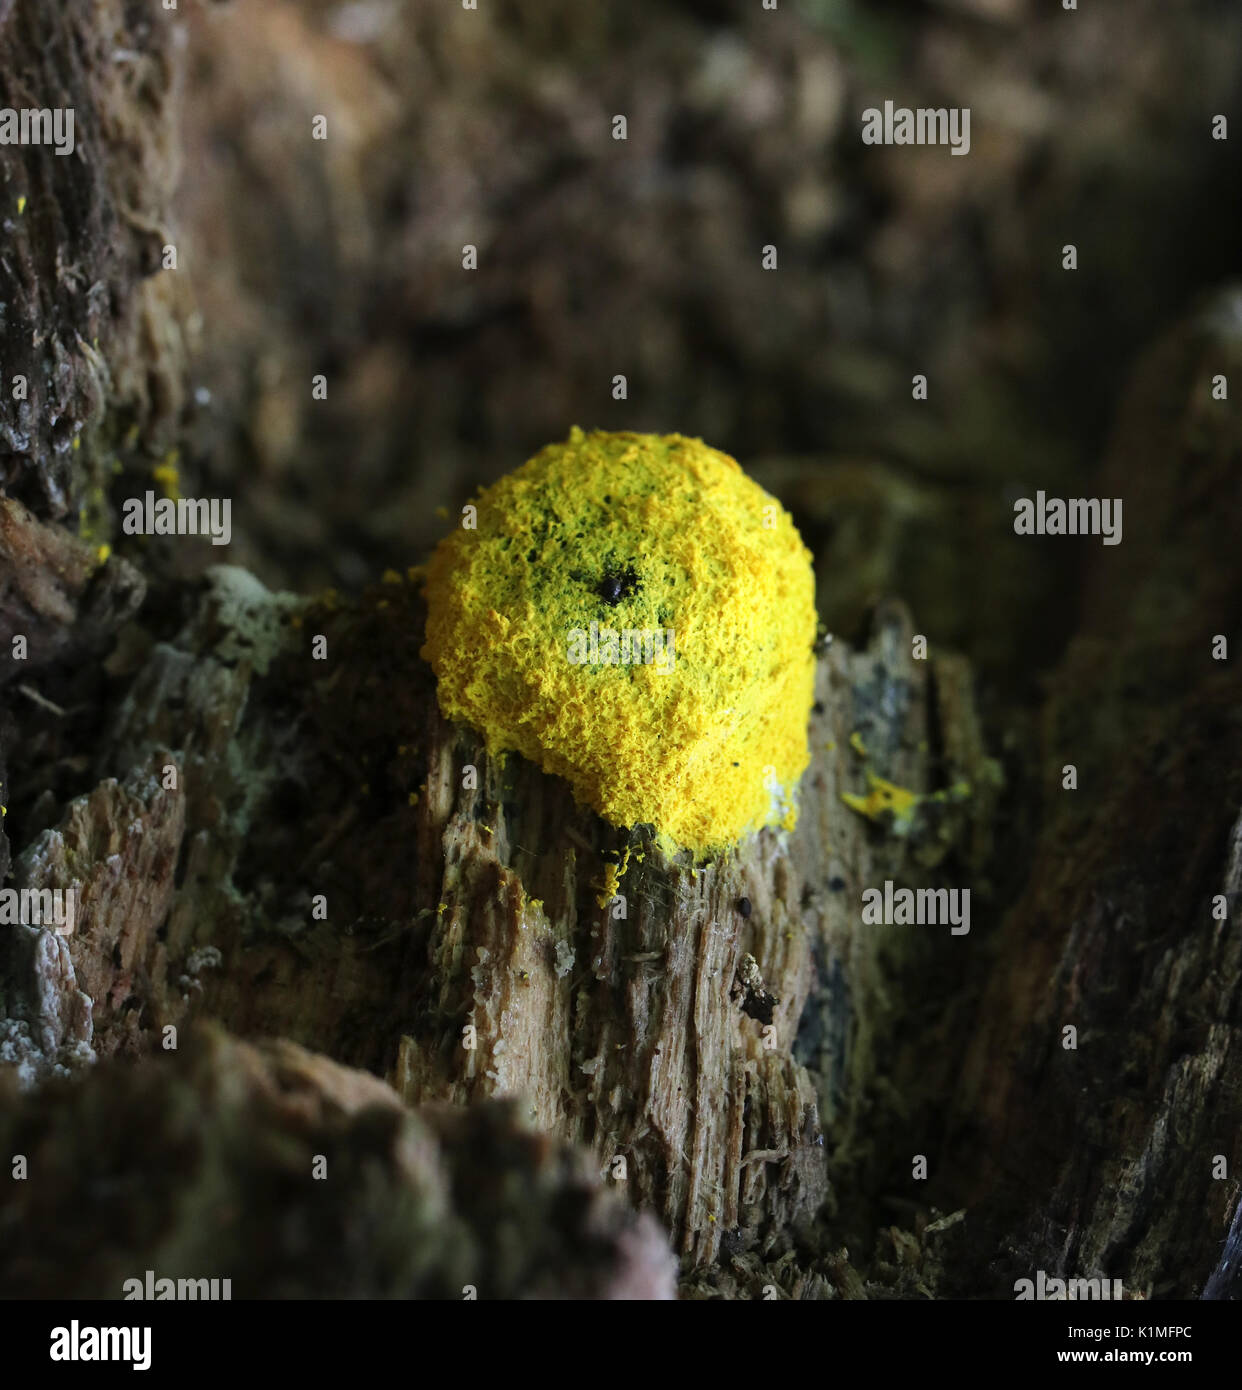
887, 803
885, 800
635, 615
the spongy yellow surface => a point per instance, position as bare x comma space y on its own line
640, 532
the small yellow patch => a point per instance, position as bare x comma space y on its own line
884, 800
21, 205
896, 806
613, 874
608, 889
639, 535
168, 475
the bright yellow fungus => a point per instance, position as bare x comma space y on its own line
634, 614
609, 887
888, 804
884, 801
613, 874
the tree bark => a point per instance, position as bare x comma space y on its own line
1131, 1143
268, 827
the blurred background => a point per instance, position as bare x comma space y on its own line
597, 257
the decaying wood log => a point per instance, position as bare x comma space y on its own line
447, 908
1120, 1158
249, 1164
59, 597
634, 1034
96, 337
276, 833
766, 1155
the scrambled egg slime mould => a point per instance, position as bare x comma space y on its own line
634, 614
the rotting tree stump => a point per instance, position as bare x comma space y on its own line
207, 781
633, 1034
765, 1154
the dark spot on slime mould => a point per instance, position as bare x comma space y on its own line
617, 584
